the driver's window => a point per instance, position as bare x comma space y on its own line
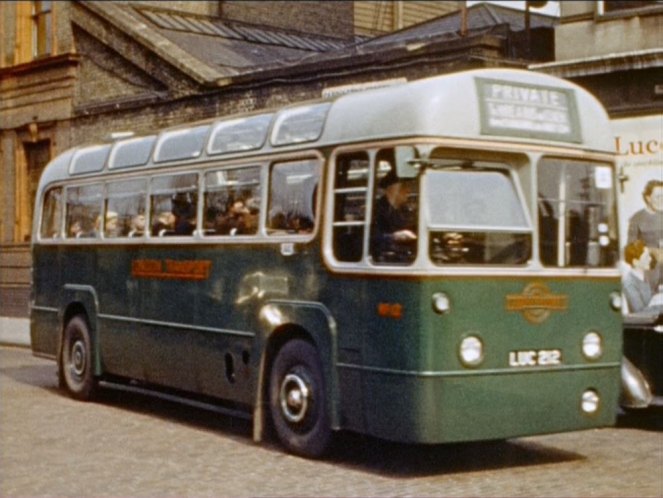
394, 221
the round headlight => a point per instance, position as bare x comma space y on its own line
471, 351
441, 303
590, 401
592, 346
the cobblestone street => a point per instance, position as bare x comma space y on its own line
130, 445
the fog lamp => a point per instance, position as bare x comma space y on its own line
590, 401
471, 351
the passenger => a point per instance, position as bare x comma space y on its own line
75, 229
184, 211
252, 218
111, 228
137, 227
300, 223
394, 227
239, 220
165, 223
234, 221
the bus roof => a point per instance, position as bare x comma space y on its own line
484, 104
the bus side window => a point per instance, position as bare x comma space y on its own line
51, 217
173, 205
125, 209
232, 202
350, 190
293, 196
84, 211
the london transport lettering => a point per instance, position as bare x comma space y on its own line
171, 269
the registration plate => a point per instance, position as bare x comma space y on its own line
535, 358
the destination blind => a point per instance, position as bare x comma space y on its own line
531, 111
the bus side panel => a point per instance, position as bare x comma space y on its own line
345, 297
121, 343
226, 357
45, 324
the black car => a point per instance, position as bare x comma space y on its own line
642, 369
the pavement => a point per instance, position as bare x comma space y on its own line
15, 331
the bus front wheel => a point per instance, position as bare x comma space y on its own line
75, 366
297, 400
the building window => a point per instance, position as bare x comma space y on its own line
34, 31
610, 7
42, 28
37, 155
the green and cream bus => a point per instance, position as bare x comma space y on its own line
243, 263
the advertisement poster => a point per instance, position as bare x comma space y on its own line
639, 143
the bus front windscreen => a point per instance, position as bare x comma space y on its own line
476, 216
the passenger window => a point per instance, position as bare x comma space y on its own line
84, 211
174, 204
239, 134
125, 209
350, 190
293, 196
51, 216
181, 144
232, 202
132, 152
90, 159
299, 124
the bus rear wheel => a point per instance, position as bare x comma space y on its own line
297, 400
75, 365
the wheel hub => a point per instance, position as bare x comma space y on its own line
78, 358
294, 398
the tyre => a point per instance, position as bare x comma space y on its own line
75, 366
297, 399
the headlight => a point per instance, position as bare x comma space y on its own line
592, 346
590, 401
471, 351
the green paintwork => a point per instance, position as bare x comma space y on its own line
396, 378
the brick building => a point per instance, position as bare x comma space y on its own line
72, 73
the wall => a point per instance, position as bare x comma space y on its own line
584, 33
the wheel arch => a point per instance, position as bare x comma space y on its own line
80, 300
283, 321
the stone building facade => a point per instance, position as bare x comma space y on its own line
75, 72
